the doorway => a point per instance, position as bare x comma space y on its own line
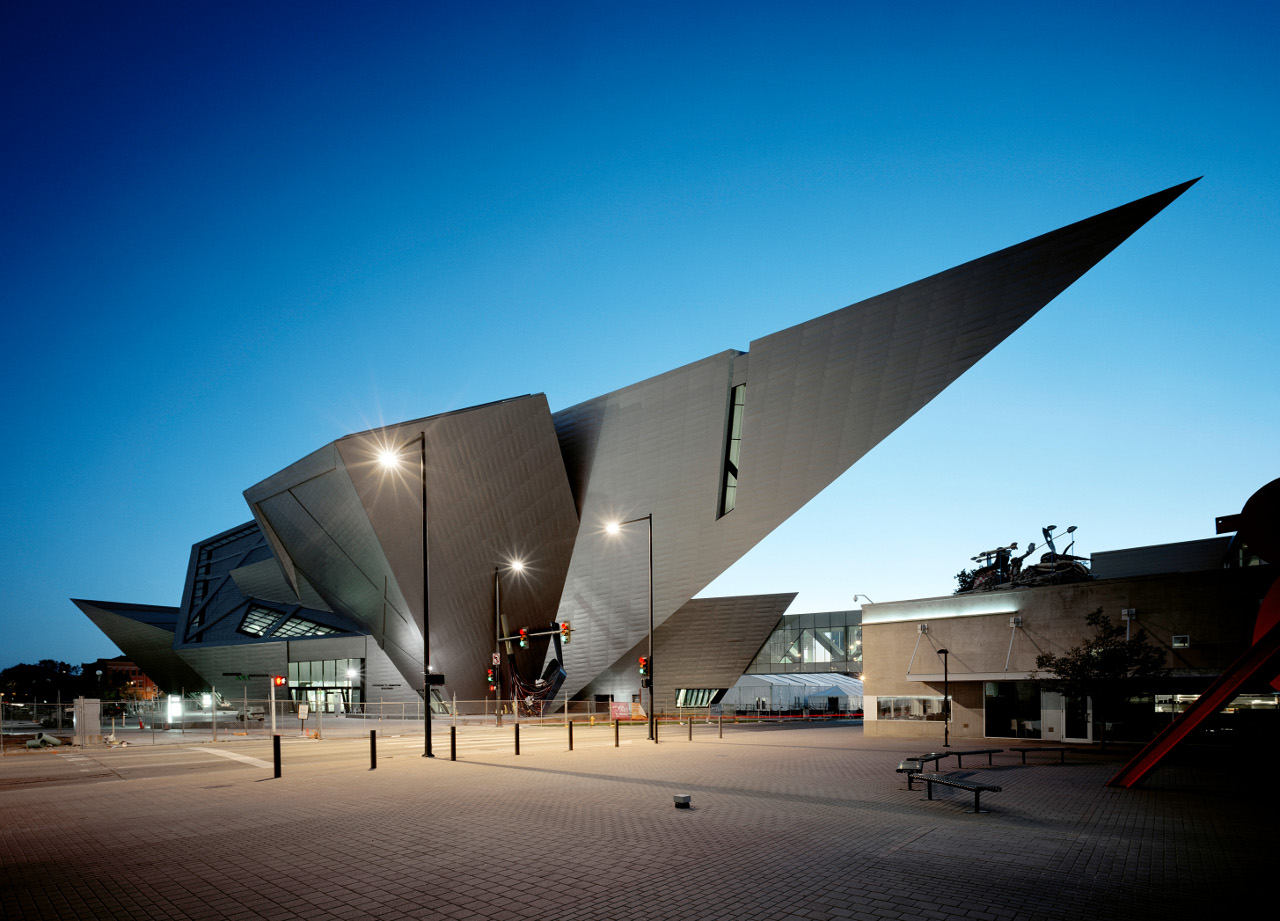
1077, 721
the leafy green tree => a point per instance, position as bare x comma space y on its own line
964, 580
1107, 667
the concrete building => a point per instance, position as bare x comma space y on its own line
479, 522
1197, 600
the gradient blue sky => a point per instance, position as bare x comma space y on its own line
234, 232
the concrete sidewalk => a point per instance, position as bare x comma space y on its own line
787, 822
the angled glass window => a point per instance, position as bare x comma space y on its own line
257, 620
733, 449
695, 697
299, 626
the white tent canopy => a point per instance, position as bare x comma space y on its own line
794, 692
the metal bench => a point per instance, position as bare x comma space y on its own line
977, 751
911, 769
1062, 750
935, 757
971, 785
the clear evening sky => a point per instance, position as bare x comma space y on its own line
233, 232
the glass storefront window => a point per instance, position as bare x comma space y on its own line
1011, 710
909, 708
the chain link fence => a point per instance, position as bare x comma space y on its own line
198, 717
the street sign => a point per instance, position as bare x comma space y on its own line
495, 658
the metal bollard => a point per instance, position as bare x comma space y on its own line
517, 738
373, 749
275, 749
615, 733
453, 743
655, 730
690, 727
570, 735
721, 721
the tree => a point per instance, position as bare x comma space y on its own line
1105, 667
964, 580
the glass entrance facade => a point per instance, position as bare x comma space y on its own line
331, 685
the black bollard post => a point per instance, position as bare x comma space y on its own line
373, 749
655, 730
722, 725
453, 743
570, 735
275, 748
615, 733
517, 738
690, 727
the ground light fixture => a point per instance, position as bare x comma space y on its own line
613, 527
392, 459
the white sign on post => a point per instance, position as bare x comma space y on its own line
495, 658
303, 710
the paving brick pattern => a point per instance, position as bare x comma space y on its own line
787, 823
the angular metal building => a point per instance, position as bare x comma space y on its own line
371, 535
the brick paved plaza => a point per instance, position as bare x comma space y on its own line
805, 821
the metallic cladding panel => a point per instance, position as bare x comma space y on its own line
655, 447
818, 397
148, 644
708, 643
1183, 556
496, 492
318, 522
218, 666
264, 580
224, 606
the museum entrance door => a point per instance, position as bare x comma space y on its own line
1077, 725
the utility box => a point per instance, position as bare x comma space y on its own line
88, 721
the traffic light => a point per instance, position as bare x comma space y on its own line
279, 680
493, 680
644, 666
524, 637
565, 631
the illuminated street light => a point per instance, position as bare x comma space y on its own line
613, 527
390, 459
516, 566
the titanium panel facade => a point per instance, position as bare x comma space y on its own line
708, 643
818, 397
509, 481
495, 491
144, 633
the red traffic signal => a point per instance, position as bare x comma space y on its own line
279, 680
644, 665
524, 637
493, 680
565, 630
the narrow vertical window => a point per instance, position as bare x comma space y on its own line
729, 486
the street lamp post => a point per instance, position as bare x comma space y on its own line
613, 528
946, 701
514, 566
391, 459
